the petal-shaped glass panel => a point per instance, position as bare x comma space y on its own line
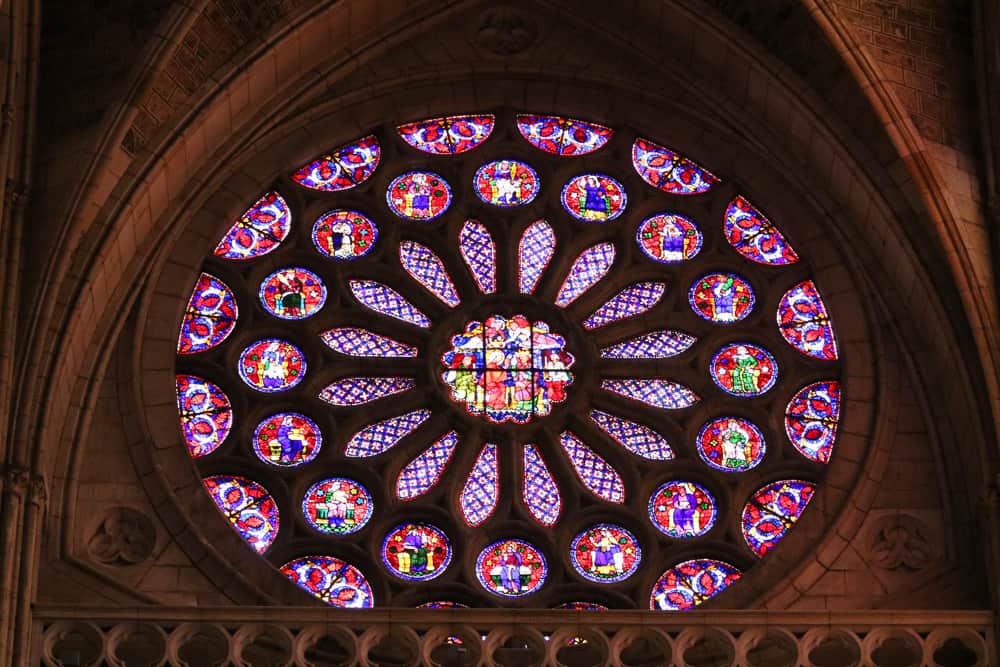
511, 568
811, 420
755, 237
448, 135
669, 238
271, 365
344, 234
210, 316
721, 298
563, 136
361, 390
418, 195
744, 369
206, 414
636, 438
342, 168
683, 509
540, 492
538, 244
594, 198
387, 301
657, 392
688, 584
669, 171
357, 342
482, 487
588, 268
660, 344
258, 231
506, 183
330, 579
731, 444
292, 294
480, 254
416, 551
595, 473
427, 269
287, 439
631, 301
248, 506
384, 435
805, 324
605, 553
337, 506
772, 510
423, 473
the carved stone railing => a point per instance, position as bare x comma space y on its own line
259, 636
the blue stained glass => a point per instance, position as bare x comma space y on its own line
605, 554
418, 195
210, 316
722, 298
805, 324
755, 237
330, 579
563, 136
669, 238
422, 473
669, 171
258, 231
636, 438
387, 301
772, 510
427, 269
480, 254
448, 135
811, 419
595, 473
357, 342
248, 506
206, 414
540, 492
361, 390
688, 584
538, 244
384, 435
592, 265
653, 345
506, 183
594, 198
631, 301
482, 487
656, 392
342, 168
442, 604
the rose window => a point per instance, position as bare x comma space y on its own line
476, 359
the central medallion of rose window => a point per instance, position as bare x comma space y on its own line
507, 368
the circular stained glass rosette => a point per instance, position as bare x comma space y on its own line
506, 183
594, 198
337, 506
292, 294
731, 444
287, 439
416, 551
744, 369
418, 195
605, 553
688, 584
344, 234
722, 298
682, 509
335, 582
669, 238
511, 568
272, 365
249, 507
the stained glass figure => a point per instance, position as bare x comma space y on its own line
416, 551
442, 604
272, 365
330, 579
811, 420
210, 316
682, 509
669, 238
357, 342
287, 439
772, 510
688, 584
258, 231
342, 168
292, 294
722, 298
636, 438
384, 435
362, 389
595, 473
387, 301
480, 254
805, 324
506, 183
661, 344
755, 237
482, 487
657, 392
744, 369
563, 136
418, 195
344, 234
337, 506
423, 473
507, 369
605, 553
540, 493
588, 268
631, 301
582, 606
511, 568
448, 135
538, 244
427, 269
206, 414
248, 506
594, 198
731, 444
669, 171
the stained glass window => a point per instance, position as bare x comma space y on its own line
594, 198
258, 231
422, 473
540, 492
657, 392
631, 301
387, 301
811, 420
803, 321
691, 583
416, 551
682, 509
731, 444
335, 582
511, 568
287, 439
595, 473
669, 171
480, 254
210, 316
482, 487
418, 195
744, 369
448, 135
772, 510
592, 265
721, 298
563, 136
605, 553
272, 365
292, 294
506, 183
248, 506
337, 506
636, 438
361, 390
342, 168
582, 606
669, 238
427, 269
344, 234
357, 342
653, 345
206, 414
379, 437
538, 244
754, 236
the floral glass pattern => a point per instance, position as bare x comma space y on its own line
206, 414
669, 238
427, 269
272, 365
506, 183
744, 369
682, 509
754, 236
721, 298
689, 584
594, 198
605, 553
418, 195
772, 510
563, 136
361, 390
540, 492
416, 551
731, 444
337, 506
480, 254
357, 342
805, 324
511, 568
448, 135
292, 294
335, 582
595, 473
344, 234
384, 435
287, 439
210, 316
248, 506
422, 473
636, 438
342, 168
669, 171
811, 420
589, 268
538, 244
661, 344
258, 231
481, 490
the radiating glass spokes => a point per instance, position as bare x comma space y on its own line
387, 301
361, 390
423, 473
540, 492
657, 392
660, 344
482, 487
358, 342
538, 244
427, 269
595, 473
384, 435
631, 301
480, 254
636, 438
592, 265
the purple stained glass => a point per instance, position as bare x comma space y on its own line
669, 171
416, 551
342, 168
271, 365
595, 473
653, 345
427, 269
447, 135
506, 183
361, 390
384, 435
206, 414
248, 506
335, 582
636, 438
292, 294
418, 195
511, 568
811, 420
480, 254
482, 487
754, 236
387, 301
688, 584
594, 198
772, 510
258, 231
357, 342
588, 268
563, 136
744, 369
656, 392
539, 490
538, 244
210, 316
422, 473
669, 238
722, 298
605, 553
682, 509
631, 301
287, 439
805, 324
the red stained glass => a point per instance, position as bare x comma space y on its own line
511, 568
258, 231
594, 198
330, 579
722, 298
210, 316
755, 237
682, 509
344, 234
805, 324
506, 183
271, 365
731, 444
206, 414
771, 511
292, 294
248, 506
337, 506
668, 238
669, 171
563, 136
418, 195
691, 583
447, 135
811, 420
342, 168
744, 369
416, 551
287, 439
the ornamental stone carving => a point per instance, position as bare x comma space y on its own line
125, 536
902, 542
505, 31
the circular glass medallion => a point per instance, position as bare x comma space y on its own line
594, 198
271, 365
333, 581
744, 369
688, 584
248, 506
682, 509
337, 506
416, 551
669, 238
731, 444
511, 568
344, 234
605, 553
506, 183
292, 294
418, 195
722, 298
287, 439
